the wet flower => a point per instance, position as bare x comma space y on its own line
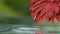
42, 10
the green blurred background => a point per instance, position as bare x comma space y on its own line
12, 11
16, 14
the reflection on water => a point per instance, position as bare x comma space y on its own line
25, 29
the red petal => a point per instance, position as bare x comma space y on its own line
45, 10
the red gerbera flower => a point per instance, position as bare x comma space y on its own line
42, 10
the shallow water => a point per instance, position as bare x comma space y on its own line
26, 29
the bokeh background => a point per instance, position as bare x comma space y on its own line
15, 19
14, 11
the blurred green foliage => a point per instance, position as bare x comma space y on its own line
12, 10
